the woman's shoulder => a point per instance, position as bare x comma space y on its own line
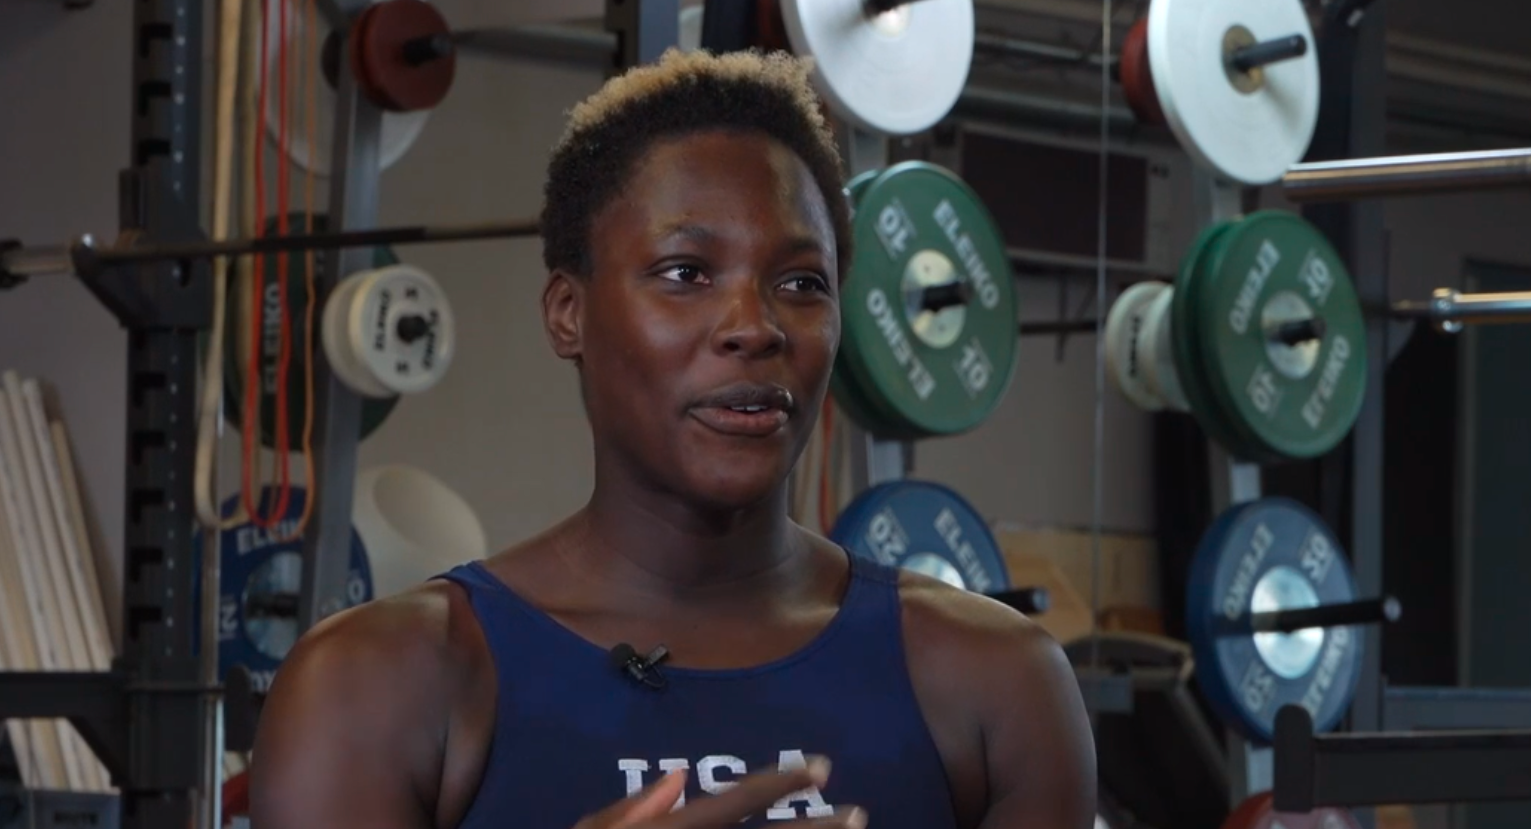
943, 622
360, 705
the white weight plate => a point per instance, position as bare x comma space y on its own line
894, 73
690, 28
397, 133
379, 302
335, 335
1156, 351
1126, 344
1251, 137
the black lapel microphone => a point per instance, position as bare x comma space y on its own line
641, 669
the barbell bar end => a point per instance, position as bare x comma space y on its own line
1363, 612
1268, 52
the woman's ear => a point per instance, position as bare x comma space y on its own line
563, 303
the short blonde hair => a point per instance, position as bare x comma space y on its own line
764, 92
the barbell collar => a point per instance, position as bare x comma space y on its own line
1362, 178
18, 264
423, 50
946, 295
1368, 611
1298, 332
1268, 52
412, 327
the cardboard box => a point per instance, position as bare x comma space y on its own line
1129, 564
1060, 560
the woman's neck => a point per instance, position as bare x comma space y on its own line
659, 545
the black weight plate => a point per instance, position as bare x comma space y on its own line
1270, 554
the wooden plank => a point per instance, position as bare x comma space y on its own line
69, 633
91, 616
28, 587
98, 646
33, 741
70, 479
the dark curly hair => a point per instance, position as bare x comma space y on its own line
684, 92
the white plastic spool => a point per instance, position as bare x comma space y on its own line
1140, 355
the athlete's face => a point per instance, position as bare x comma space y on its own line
708, 327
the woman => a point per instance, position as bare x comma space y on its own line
696, 234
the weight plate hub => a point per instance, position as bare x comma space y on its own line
896, 72
929, 308
1268, 555
1284, 353
237, 345
927, 528
1258, 812
259, 584
1250, 126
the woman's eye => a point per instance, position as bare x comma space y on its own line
808, 282
682, 273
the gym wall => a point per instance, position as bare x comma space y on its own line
505, 428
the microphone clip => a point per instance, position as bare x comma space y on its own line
642, 669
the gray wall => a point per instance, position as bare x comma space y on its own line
505, 428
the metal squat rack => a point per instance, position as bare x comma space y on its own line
1402, 745
156, 719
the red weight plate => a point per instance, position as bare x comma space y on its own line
392, 58
771, 30
236, 795
1137, 79
1256, 813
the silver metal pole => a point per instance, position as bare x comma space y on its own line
552, 43
1407, 175
337, 408
1451, 310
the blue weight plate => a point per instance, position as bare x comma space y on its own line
257, 564
1270, 554
927, 528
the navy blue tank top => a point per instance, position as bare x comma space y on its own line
573, 734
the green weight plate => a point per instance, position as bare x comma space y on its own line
374, 410
857, 186
1187, 344
941, 369
1224, 423
1276, 272
852, 400
847, 392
